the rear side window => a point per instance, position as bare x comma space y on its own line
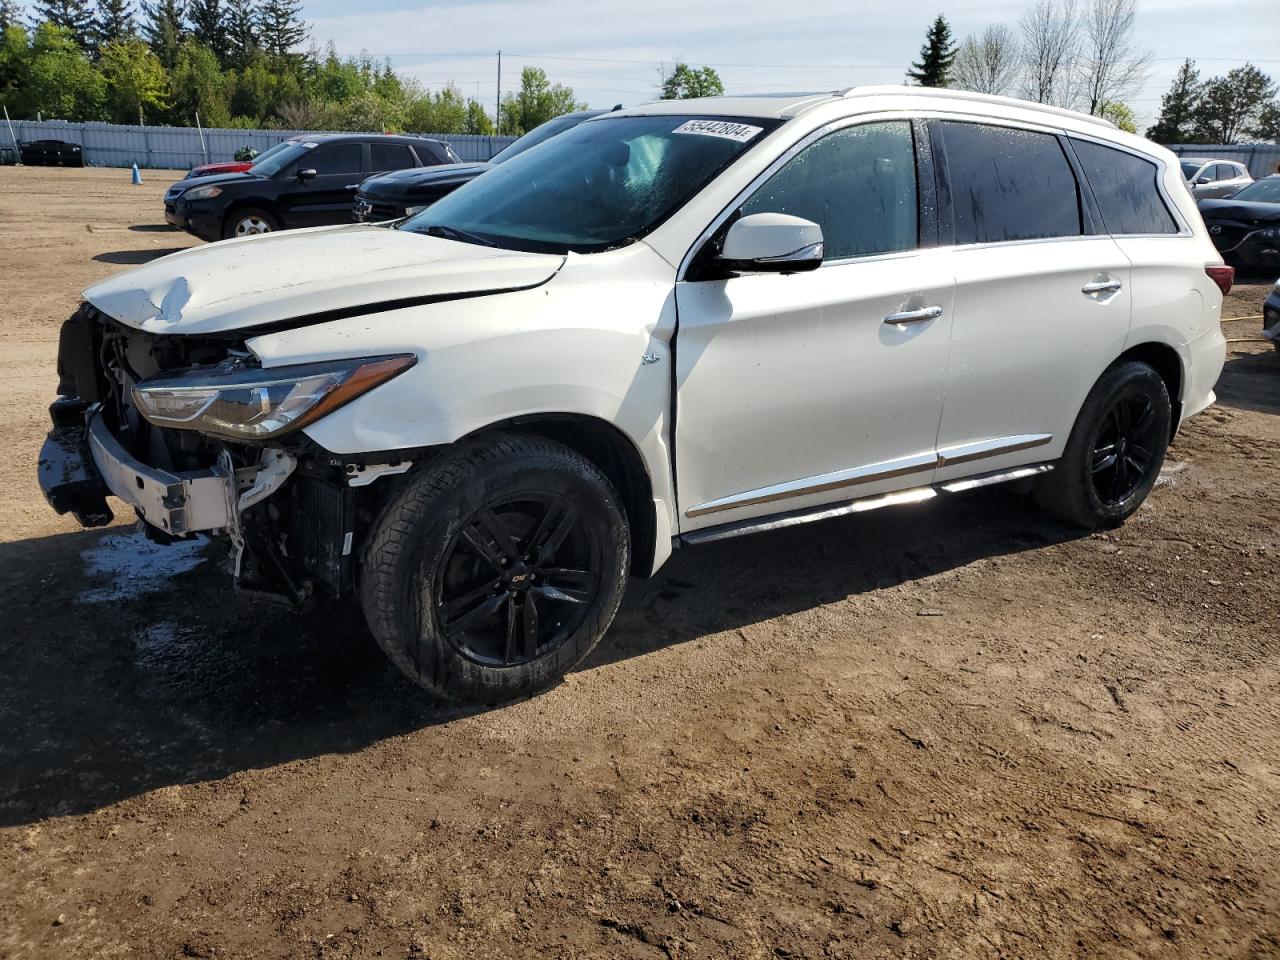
390, 156
334, 158
858, 184
1125, 187
1009, 184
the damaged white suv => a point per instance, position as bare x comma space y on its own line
675, 323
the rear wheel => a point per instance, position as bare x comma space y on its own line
1115, 450
497, 569
248, 222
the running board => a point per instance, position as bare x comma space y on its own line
779, 521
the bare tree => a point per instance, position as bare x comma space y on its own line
987, 63
1050, 36
1111, 67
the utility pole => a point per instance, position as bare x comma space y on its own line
497, 106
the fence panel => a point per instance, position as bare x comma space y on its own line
180, 148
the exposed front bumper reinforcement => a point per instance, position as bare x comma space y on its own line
177, 503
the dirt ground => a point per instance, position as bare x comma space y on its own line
954, 730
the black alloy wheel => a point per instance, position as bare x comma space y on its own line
1126, 447
517, 580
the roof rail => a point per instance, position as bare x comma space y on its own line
881, 90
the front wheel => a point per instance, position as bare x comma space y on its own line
249, 222
497, 569
1115, 450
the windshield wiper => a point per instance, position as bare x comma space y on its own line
453, 233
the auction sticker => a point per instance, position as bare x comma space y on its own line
742, 132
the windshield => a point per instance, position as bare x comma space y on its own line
544, 131
1261, 191
272, 151
1189, 168
600, 185
271, 163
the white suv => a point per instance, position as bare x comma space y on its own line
676, 323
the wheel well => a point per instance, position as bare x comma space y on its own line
617, 457
1165, 361
264, 205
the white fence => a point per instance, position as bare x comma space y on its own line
180, 148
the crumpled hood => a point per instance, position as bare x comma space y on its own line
283, 276
404, 182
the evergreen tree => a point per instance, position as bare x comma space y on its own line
1230, 106
114, 21
241, 28
72, 15
9, 11
206, 21
280, 28
163, 29
936, 56
1178, 107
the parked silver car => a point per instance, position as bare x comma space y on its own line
1214, 179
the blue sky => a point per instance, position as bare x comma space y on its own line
613, 52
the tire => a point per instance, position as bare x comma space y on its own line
248, 222
482, 533
1113, 456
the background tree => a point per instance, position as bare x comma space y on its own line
197, 85
1231, 106
1178, 107
936, 56
1120, 114
113, 21
478, 122
59, 81
206, 22
1111, 65
537, 102
241, 29
9, 14
137, 85
1050, 32
1268, 124
685, 83
163, 30
74, 16
987, 63
15, 56
280, 27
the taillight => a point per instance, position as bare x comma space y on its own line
1222, 276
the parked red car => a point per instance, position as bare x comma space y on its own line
234, 166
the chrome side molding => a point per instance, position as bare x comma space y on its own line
779, 521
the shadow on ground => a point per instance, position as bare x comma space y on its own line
153, 228
1251, 381
104, 700
135, 257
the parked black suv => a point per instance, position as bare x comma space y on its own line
405, 192
308, 184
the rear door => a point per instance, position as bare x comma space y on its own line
324, 199
1042, 295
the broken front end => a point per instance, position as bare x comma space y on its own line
195, 435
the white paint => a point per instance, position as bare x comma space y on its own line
134, 565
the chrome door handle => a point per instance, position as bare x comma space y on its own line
1101, 286
914, 316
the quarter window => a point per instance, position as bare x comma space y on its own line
1009, 184
858, 184
1126, 189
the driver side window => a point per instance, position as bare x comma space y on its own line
858, 184
334, 158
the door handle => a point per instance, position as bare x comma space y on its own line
1101, 286
914, 316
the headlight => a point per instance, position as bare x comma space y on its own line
413, 211
202, 193
257, 404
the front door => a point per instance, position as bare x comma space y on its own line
324, 199
795, 391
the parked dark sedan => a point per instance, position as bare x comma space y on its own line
308, 184
52, 153
1246, 228
405, 192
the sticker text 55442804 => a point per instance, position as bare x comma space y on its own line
742, 132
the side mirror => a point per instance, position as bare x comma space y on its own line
1201, 181
305, 175
772, 243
